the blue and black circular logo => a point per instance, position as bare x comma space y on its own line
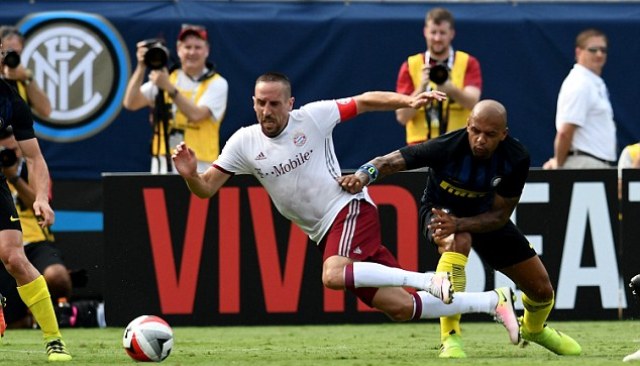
81, 63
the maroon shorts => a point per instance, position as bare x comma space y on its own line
355, 234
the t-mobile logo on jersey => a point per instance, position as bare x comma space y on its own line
291, 164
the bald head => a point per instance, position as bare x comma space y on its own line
487, 127
490, 110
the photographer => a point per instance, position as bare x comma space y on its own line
439, 68
19, 76
190, 99
38, 241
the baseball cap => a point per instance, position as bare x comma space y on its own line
191, 29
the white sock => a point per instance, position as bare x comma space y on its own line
366, 274
463, 303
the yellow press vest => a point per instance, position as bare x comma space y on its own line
201, 136
634, 151
31, 230
457, 115
22, 91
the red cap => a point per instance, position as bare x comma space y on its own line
190, 29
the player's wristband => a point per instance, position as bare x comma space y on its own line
370, 171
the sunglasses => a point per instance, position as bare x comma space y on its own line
596, 49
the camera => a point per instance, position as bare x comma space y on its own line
439, 73
157, 54
8, 157
11, 58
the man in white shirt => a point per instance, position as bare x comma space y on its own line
586, 131
291, 153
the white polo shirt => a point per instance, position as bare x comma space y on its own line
584, 101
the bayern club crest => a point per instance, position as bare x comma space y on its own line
299, 139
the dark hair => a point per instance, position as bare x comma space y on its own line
277, 77
439, 15
9, 30
581, 39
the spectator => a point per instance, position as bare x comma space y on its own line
586, 131
195, 93
455, 73
38, 242
19, 76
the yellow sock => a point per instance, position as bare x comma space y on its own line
35, 295
535, 313
455, 263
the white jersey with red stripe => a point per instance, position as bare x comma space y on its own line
298, 168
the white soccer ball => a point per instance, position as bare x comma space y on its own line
148, 338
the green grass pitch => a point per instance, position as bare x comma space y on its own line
486, 343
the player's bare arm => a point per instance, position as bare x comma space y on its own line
38, 179
388, 101
203, 185
444, 223
382, 165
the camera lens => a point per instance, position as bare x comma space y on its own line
157, 56
8, 157
11, 59
439, 74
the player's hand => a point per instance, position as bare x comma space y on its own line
442, 224
353, 183
44, 213
425, 98
185, 161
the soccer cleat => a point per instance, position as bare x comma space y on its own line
3, 324
505, 313
441, 287
632, 357
57, 351
451, 347
551, 339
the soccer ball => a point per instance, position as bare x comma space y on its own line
148, 338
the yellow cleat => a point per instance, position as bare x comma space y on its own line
553, 340
451, 347
57, 351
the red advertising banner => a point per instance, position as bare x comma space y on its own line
234, 259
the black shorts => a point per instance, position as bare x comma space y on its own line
41, 255
8, 212
499, 249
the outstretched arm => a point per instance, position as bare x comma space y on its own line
389, 101
203, 185
375, 169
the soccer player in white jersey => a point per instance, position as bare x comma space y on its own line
291, 153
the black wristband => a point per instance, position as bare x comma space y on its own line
174, 93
